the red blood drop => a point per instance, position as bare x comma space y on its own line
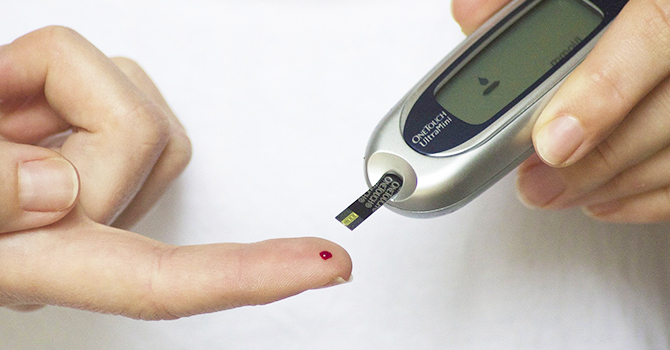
325, 255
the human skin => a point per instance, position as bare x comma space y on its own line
66, 205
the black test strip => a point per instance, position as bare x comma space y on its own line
373, 199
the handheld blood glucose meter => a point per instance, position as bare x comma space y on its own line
468, 122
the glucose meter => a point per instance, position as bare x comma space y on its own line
468, 122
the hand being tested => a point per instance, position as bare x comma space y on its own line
123, 150
603, 141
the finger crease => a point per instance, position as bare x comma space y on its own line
156, 306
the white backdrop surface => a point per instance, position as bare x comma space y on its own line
289, 90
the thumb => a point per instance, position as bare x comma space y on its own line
625, 65
38, 187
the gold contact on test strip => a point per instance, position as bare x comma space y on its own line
349, 219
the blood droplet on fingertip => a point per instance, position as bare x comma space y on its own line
325, 255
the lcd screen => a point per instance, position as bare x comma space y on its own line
517, 58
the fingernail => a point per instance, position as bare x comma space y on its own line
559, 139
539, 185
47, 185
338, 280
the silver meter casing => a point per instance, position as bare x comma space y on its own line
442, 183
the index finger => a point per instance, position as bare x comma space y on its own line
81, 264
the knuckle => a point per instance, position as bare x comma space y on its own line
57, 43
58, 32
179, 149
59, 38
149, 125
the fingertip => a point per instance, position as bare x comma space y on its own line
315, 262
612, 212
40, 187
336, 260
470, 14
538, 185
532, 161
462, 12
48, 185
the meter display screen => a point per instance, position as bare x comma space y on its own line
517, 58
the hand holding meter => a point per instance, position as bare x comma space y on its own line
468, 122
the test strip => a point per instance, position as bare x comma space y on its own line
387, 187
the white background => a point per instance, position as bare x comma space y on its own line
279, 98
